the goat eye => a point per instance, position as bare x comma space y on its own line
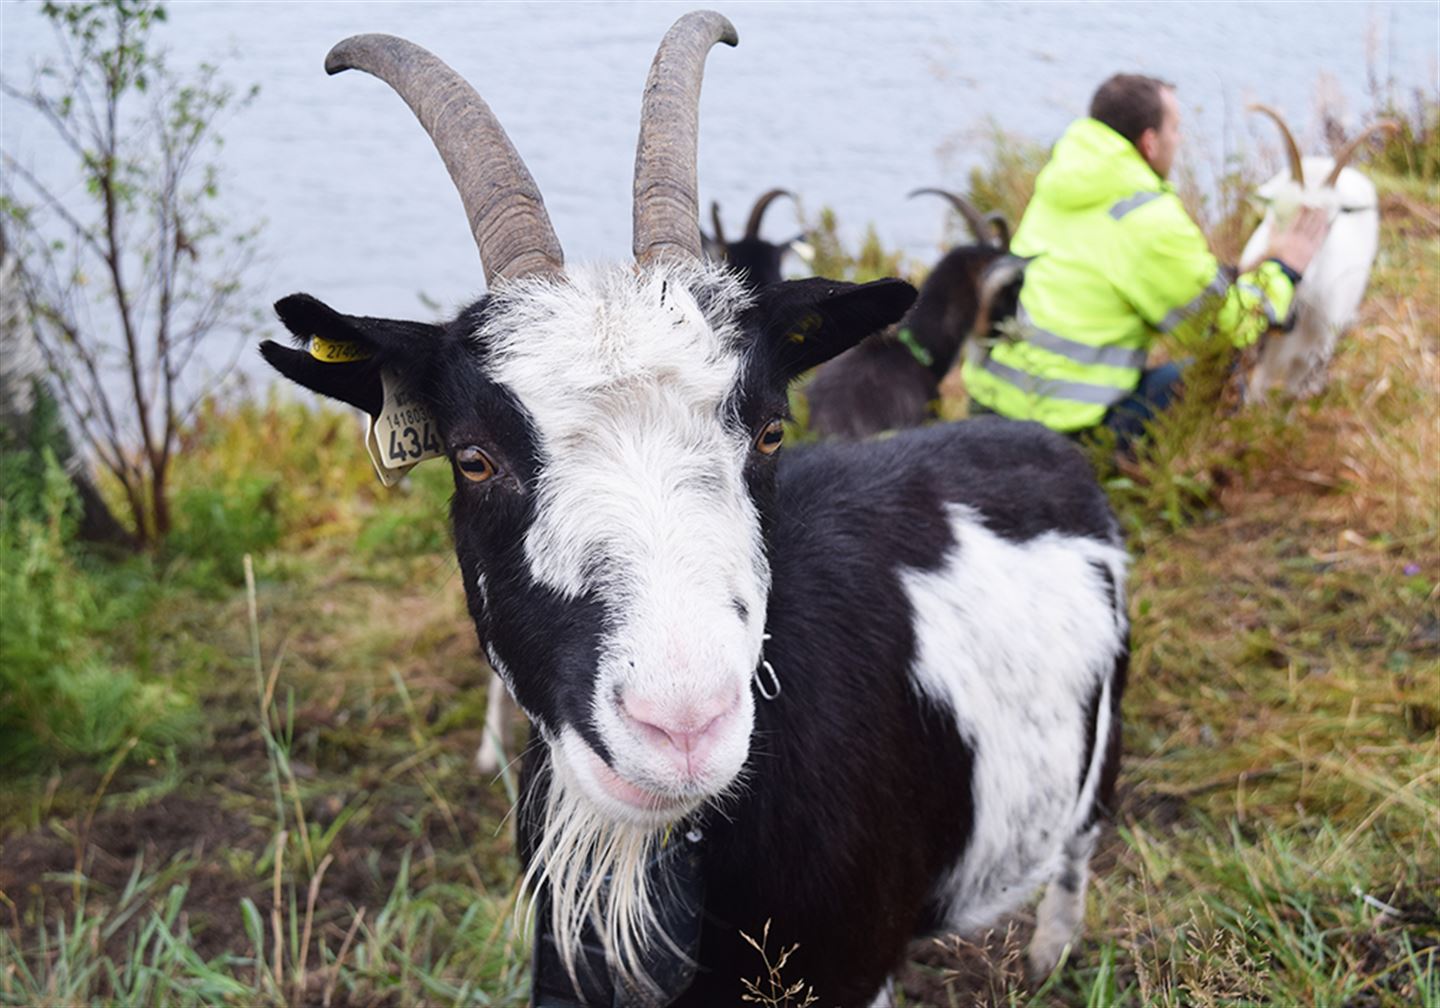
770, 438
475, 464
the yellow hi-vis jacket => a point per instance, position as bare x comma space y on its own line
1117, 260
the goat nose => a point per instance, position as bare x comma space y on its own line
685, 732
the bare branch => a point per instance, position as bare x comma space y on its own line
129, 302
53, 202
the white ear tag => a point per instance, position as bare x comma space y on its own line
403, 435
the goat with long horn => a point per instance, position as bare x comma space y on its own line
756, 260
987, 229
892, 380
761, 678
1335, 280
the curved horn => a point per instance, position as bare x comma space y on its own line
1291, 151
757, 212
1348, 151
977, 224
997, 276
715, 222
507, 216
667, 211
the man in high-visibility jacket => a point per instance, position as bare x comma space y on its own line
1117, 260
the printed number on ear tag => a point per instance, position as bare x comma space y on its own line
403, 435
335, 352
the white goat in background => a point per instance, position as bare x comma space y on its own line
1334, 283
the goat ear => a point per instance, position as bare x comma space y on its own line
807, 322
358, 348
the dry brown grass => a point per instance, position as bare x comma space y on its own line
1279, 835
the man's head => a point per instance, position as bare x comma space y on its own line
1144, 111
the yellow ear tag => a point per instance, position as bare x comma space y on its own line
403, 435
336, 352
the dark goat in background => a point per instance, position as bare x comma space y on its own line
755, 259
988, 229
890, 380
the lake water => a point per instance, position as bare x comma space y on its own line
851, 105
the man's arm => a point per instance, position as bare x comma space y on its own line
1179, 288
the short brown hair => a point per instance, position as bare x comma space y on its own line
1130, 104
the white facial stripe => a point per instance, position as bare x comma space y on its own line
624, 380
641, 495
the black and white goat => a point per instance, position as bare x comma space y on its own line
891, 380
1335, 281
870, 691
756, 260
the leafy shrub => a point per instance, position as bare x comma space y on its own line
834, 261
60, 692
413, 517
1005, 180
217, 525
1414, 151
27, 451
304, 466
256, 474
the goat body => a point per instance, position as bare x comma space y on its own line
944, 611
1335, 279
1334, 283
934, 756
945, 614
756, 260
886, 384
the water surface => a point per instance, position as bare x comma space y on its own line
849, 104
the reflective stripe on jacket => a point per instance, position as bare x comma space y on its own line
1116, 260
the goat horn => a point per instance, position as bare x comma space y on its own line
502, 203
752, 226
1348, 151
1291, 150
715, 222
997, 276
666, 209
978, 225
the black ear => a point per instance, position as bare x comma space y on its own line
374, 343
806, 322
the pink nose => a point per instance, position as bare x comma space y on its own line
685, 733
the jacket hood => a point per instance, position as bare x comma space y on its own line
1092, 164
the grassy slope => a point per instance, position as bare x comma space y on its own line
1278, 839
